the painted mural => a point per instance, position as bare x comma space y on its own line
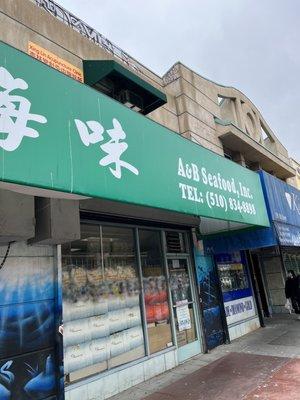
31, 376
208, 286
27, 329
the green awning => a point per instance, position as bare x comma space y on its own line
116, 154
96, 71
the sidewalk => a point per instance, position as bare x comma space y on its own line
264, 365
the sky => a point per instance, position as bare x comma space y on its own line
252, 45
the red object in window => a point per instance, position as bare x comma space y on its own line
162, 296
165, 310
150, 297
150, 314
158, 312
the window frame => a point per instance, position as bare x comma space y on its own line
148, 355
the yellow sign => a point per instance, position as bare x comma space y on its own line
54, 61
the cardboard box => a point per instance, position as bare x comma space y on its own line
159, 336
190, 333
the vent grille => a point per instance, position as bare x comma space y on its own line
175, 242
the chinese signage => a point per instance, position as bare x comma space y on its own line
58, 134
54, 61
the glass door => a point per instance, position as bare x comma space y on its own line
184, 307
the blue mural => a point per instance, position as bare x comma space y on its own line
26, 327
28, 339
208, 283
6, 381
213, 327
26, 282
28, 377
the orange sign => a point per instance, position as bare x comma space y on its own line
54, 61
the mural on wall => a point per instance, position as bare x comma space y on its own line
208, 286
27, 329
28, 377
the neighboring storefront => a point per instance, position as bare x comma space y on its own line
269, 252
283, 203
239, 303
127, 286
229, 298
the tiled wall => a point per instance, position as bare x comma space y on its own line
111, 384
243, 328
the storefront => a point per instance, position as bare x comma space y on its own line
239, 303
269, 252
283, 203
228, 281
128, 293
113, 198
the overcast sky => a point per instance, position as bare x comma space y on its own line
251, 45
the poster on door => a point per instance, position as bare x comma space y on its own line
183, 316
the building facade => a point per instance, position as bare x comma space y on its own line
110, 179
295, 180
273, 251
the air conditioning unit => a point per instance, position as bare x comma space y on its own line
131, 100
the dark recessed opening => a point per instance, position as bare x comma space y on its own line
112, 79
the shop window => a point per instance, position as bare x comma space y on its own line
155, 291
237, 293
121, 275
101, 301
233, 276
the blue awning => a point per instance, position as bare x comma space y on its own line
283, 206
242, 240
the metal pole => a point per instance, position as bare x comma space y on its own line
142, 299
173, 327
254, 285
